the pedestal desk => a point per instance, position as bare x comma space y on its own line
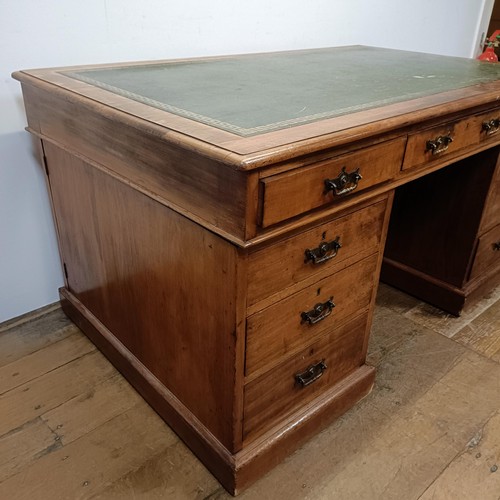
222, 222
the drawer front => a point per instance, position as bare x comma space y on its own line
487, 126
491, 214
488, 253
297, 381
314, 252
292, 193
434, 143
283, 328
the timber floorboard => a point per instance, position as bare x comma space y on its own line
72, 428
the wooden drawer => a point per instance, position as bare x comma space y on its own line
432, 144
488, 253
314, 253
292, 193
278, 393
491, 214
280, 329
487, 126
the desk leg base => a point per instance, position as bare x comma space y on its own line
234, 471
436, 292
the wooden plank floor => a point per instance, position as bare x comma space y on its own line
72, 428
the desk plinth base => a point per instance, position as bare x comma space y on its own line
451, 299
234, 471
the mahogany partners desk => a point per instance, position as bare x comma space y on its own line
222, 223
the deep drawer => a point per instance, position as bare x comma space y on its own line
281, 328
292, 193
294, 383
314, 252
488, 253
437, 142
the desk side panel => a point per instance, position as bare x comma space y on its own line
142, 153
162, 285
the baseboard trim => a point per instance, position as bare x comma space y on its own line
29, 316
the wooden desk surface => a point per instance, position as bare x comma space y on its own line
276, 101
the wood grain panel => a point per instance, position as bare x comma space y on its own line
278, 266
491, 213
417, 152
198, 438
208, 189
466, 132
298, 191
275, 395
139, 267
487, 135
278, 330
488, 253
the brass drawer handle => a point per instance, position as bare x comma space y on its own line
496, 246
344, 183
326, 250
439, 144
318, 313
312, 373
491, 127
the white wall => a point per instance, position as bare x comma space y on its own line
42, 33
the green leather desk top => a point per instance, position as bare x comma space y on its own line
249, 95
